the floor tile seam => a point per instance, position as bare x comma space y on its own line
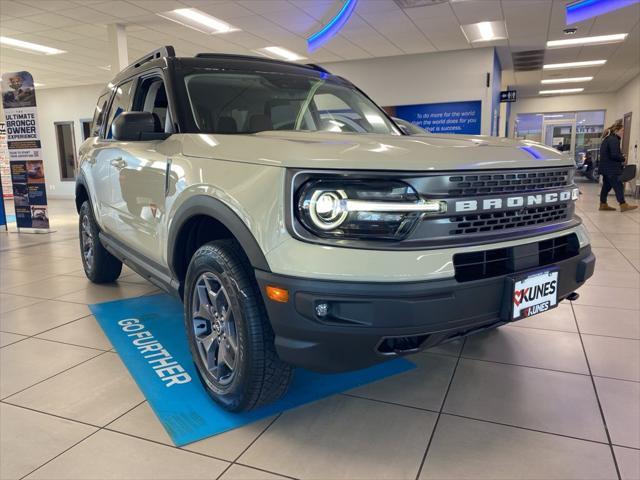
47, 298
437, 421
533, 367
626, 446
70, 344
56, 374
244, 450
617, 379
574, 332
53, 328
468, 417
262, 470
59, 240
37, 336
75, 444
520, 427
388, 402
598, 402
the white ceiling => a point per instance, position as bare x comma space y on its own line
378, 28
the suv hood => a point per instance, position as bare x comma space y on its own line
326, 150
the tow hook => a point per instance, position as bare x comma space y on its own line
573, 296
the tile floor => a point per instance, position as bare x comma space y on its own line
555, 396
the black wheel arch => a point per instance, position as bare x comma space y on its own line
82, 192
203, 206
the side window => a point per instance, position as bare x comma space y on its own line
99, 114
151, 96
121, 102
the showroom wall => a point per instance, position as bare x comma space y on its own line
425, 78
627, 100
62, 105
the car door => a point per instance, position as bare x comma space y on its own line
95, 166
109, 154
138, 175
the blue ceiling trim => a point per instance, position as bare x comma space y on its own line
330, 30
586, 9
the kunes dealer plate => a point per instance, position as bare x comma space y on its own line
534, 294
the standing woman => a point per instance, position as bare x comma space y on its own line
611, 166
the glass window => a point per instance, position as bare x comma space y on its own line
99, 113
152, 97
251, 102
529, 127
121, 103
66, 150
589, 128
86, 128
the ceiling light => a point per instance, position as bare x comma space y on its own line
577, 42
588, 63
485, 31
36, 84
567, 80
279, 52
194, 18
29, 47
562, 90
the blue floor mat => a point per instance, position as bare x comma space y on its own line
177, 397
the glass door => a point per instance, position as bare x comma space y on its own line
560, 134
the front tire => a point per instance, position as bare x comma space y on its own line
99, 265
229, 333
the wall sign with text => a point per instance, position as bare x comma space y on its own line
452, 117
25, 153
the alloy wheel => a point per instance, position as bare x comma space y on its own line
214, 328
87, 242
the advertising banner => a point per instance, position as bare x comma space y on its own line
3, 214
5, 169
25, 153
452, 117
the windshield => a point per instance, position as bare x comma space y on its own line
410, 128
250, 102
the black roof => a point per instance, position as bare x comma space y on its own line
162, 56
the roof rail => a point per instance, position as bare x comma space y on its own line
260, 58
318, 68
166, 51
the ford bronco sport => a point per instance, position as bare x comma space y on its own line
301, 227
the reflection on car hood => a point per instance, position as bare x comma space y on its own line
326, 150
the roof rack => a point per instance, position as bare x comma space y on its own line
260, 58
162, 52
318, 68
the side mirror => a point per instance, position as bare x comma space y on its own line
136, 126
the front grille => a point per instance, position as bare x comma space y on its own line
505, 182
500, 261
505, 220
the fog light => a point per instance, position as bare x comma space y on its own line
322, 309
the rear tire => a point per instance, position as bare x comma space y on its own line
229, 333
99, 265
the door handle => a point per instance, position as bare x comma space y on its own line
118, 163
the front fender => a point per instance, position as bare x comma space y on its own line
214, 208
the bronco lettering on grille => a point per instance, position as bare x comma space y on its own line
519, 201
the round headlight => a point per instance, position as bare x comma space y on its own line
326, 209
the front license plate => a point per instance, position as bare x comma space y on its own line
535, 294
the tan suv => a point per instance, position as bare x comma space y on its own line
301, 227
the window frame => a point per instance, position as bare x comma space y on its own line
135, 97
73, 145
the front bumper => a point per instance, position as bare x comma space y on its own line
366, 320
